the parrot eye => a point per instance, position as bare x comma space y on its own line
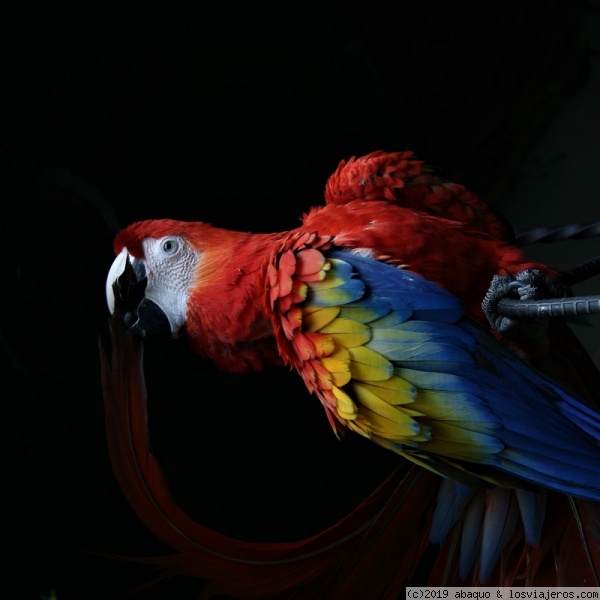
169, 246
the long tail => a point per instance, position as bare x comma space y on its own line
379, 547
375, 548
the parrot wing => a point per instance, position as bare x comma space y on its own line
391, 357
399, 178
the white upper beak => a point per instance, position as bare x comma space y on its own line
115, 271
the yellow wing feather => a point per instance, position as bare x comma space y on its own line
326, 337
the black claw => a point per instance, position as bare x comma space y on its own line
501, 286
527, 286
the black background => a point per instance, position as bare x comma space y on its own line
233, 114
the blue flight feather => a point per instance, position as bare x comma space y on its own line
470, 544
500, 519
543, 435
452, 499
533, 510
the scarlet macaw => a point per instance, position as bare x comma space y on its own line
375, 300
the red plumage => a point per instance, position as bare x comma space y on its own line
392, 207
399, 178
449, 253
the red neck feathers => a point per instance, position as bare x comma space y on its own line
226, 318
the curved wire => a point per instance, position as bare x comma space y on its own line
577, 231
580, 272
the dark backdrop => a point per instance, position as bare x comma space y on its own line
233, 114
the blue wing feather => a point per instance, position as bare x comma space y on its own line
404, 289
541, 433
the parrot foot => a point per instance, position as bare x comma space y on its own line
530, 284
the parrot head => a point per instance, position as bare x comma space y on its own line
200, 282
164, 261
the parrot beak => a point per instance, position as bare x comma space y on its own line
141, 318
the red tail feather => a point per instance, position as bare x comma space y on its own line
374, 548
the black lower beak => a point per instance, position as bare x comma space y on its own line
141, 316
147, 319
